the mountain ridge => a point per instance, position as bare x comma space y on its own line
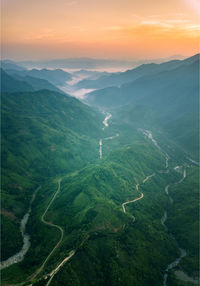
133, 74
16, 83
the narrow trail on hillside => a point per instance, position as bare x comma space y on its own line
132, 201
52, 225
111, 137
53, 272
137, 199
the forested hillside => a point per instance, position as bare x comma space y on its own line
43, 134
168, 100
105, 194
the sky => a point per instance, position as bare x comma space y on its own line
120, 29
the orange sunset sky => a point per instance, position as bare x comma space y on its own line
121, 29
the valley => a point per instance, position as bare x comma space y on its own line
117, 202
26, 238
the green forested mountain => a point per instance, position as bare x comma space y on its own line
149, 89
43, 134
187, 229
56, 77
37, 83
11, 65
16, 83
117, 195
10, 84
169, 100
117, 79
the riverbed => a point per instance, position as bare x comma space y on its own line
19, 256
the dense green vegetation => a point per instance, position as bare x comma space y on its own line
9, 225
56, 77
43, 134
10, 84
131, 253
168, 100
48, 136
120, 78
183, 219
16, 83
117, 79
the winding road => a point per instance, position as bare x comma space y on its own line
163, 220
129, 202
52, 225
112, 137
183, 253
53, 272
139, 198
148, 177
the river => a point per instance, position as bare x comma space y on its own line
100, 148
149, 135
183, 253
19, 256
173, 265
180, 275
105, 123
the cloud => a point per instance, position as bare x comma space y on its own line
178, 25
72, 3
157, 23
178, 21
155, 29
113, 28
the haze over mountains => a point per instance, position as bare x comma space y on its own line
109, 185
131, 75
168, 92
15, 82
87, 63
56, 77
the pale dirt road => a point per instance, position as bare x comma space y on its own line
139, 198
52, 225
129, 202
53, 272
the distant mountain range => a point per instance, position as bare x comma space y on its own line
71, 176
166, 95
90, 74
11, 65
117, 79
17, 83
16, 78
57, 76
124, 83
91, 63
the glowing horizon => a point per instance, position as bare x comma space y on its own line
128, 29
